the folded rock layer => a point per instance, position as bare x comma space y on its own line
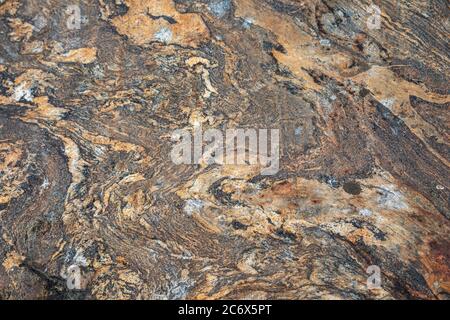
92, 205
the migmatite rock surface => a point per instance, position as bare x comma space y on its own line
91, 92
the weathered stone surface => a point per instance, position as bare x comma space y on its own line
89, 98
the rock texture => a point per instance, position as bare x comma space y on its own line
90, 95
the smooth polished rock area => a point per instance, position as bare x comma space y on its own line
94, 205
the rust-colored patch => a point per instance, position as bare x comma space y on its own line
21, 31
81, 55
9, 7
13, 260
437, 262
143, 24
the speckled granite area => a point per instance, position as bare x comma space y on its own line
93, 207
